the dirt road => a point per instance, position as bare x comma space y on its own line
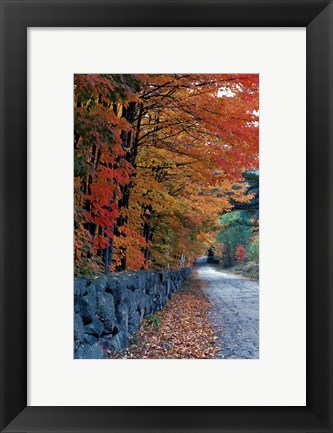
234, 313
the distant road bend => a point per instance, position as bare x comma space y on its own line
234, 313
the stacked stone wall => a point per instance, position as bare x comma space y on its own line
109, 308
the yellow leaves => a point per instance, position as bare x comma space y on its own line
187, 202
166, 150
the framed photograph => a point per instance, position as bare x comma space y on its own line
136, 292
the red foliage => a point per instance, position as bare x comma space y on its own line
240, 253
156, 158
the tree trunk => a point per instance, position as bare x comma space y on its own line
129, 114
147, 218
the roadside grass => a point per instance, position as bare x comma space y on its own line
246, 269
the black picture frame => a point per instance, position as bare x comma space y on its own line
16, 17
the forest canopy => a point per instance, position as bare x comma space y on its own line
158, 158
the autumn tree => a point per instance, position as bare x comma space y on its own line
158, 158
101, 170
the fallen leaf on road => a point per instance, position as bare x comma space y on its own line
183, 330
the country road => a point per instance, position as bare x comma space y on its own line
234, 313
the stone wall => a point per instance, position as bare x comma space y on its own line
109, 308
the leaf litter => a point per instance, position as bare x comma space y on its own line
181, 331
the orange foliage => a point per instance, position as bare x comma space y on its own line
157, 159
